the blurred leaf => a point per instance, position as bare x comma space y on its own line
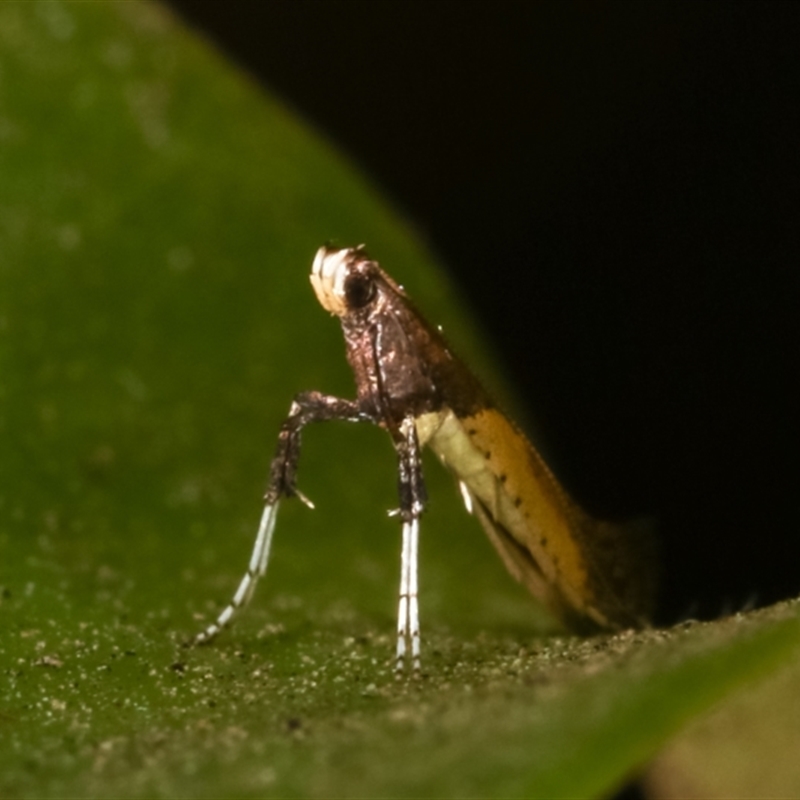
747, 748
158, 217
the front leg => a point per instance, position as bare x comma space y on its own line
412, 503
306, 407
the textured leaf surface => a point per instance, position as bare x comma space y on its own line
158, 216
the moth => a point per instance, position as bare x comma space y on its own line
591, 574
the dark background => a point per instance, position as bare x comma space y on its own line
615, 187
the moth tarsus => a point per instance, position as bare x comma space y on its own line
256, 569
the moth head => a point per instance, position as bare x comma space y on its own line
347, 281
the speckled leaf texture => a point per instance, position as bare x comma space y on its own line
158, 217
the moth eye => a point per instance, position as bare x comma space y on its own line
358, 291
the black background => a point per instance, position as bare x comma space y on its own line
615, 187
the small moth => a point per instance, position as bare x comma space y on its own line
591, 574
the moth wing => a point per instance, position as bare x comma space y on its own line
520, 564
625, 561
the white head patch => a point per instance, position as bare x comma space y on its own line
328, 275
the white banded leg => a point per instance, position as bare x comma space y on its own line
413, 594
408, 610
255, 570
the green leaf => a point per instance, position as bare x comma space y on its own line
746, 748
158, 217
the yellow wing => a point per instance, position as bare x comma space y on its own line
589, 573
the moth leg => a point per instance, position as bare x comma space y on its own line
306, 407
408, 638
255, 569
412, 503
